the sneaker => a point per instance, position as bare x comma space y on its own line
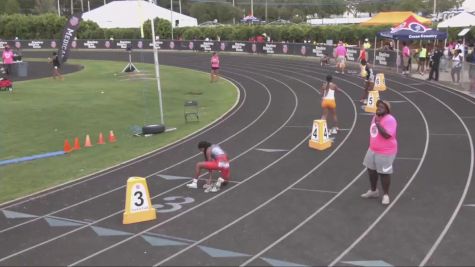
371, 194
206, 186
385, 200
193, 185
334, 130
209, 189
214, 188
220, 182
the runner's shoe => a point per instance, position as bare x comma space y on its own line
371, 194
385, 200
192, 185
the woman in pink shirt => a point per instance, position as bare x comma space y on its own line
214, 67
340, 57
406, 58
382, 151
7, 57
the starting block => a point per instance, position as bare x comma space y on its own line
320, 138
138, 207
373, 97
380, 82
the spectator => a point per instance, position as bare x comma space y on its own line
460, 46
422, 59
7, 57
406, 58
444, 61
434, 63
457, 61
366, 44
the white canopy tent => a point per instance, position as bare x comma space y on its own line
462, 20
132, 14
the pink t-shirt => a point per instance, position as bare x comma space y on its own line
215, 62
406, 52
379, 144
340, 51
7, 57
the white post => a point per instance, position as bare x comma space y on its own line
72, 7
266, 12
105, 2
59, 9
234, 19
179, 5
171, 15
88, 5
252, 7
435, 5
157, 71
397, 56
82, 5
374, 49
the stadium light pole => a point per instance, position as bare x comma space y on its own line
157, 70
171, 15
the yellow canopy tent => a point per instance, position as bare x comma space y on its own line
393, 18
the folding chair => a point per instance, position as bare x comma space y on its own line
191, 108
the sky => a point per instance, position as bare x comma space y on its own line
469, 5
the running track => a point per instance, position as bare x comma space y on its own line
290, 205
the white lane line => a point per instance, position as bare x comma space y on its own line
148, 176
180, 185
275, 196
222, 193
156, 152
387, 209
406, 158
469, 179
447, 134
313, 190
290, 126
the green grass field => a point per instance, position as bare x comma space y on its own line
42, 113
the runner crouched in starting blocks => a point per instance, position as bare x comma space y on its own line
215, 160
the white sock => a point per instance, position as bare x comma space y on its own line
195, 181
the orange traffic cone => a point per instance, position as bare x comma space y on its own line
67, 147
76, 146
112, 138
101, 139
87, 143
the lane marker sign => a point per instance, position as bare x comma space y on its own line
138, 207
320, 137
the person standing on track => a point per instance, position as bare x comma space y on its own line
214, 67
340, 53
382, 151
328, 102
215, 159
368, 75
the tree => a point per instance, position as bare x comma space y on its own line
443, 5
11, 7
45, 6
330, 7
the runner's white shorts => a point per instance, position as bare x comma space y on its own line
383, 164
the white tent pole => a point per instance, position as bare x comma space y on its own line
375, 43
397, 56
171, 15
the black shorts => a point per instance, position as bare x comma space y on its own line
214, 68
